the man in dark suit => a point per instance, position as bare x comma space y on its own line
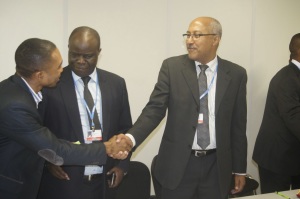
184, 168
65, 114
277, 147
24, 141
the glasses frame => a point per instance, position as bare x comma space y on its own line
195, 36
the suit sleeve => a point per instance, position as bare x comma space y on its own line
287, 95
155, 110
239, 139
20, 122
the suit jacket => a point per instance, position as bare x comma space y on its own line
23, 137
61, 115
277, 146
177, 91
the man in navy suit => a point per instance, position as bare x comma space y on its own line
277, 147
183, 167
24, 142
65, 113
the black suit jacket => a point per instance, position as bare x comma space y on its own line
23, 137
177, 91
61, 116
277, 146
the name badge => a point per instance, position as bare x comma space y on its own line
94, 135
200, 118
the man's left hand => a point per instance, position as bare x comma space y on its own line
239, 183
119, 174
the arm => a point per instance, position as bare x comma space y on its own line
155, 110
21, 122
239, 140
287, 95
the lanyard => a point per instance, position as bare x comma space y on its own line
91, 114
210, 85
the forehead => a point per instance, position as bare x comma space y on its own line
56, 56
198, 26
83, 42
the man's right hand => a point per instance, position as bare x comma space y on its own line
57, 171
118, 147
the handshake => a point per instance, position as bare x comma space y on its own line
119, 146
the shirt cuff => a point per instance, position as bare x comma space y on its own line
131, 138
241, 174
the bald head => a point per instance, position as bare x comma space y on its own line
85, 33
295, 47
212, 25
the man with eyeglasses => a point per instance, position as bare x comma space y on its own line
204, 141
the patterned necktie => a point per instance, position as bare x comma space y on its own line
203, 138
90, 102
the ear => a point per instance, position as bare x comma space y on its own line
216, 40
39, 75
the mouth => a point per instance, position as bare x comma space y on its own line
191, 48
81, 67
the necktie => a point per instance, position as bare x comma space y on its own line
90, 102
203, 128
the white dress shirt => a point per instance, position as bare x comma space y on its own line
84, 116
211, 75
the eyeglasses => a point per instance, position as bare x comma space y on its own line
195, 36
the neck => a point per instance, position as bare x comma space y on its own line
33, 84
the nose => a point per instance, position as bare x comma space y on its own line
80, 59
190, 40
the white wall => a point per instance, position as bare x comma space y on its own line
138, 34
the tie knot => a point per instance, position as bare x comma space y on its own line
203, 67
86, 80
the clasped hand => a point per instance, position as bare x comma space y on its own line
118, 146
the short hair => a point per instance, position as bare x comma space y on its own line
216, 27
32, 54
86, 29
294, 45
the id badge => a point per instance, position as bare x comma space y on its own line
200, 118
94, 135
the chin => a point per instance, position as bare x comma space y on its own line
192, 57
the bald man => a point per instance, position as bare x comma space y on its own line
185, 167
67, 113
277, 147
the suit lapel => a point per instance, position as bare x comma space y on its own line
105, 95
190, 75
70, 100
223, 80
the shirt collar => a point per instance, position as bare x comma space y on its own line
296, 63
212, 65
38, 97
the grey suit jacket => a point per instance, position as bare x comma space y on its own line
23, 136
177, 91
277, 146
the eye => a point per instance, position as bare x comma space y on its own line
197, 36
88, 56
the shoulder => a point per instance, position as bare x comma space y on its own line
109, 75
230, 66
178, 59
289, 73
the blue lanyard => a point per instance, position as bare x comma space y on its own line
210, 85
91, 114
